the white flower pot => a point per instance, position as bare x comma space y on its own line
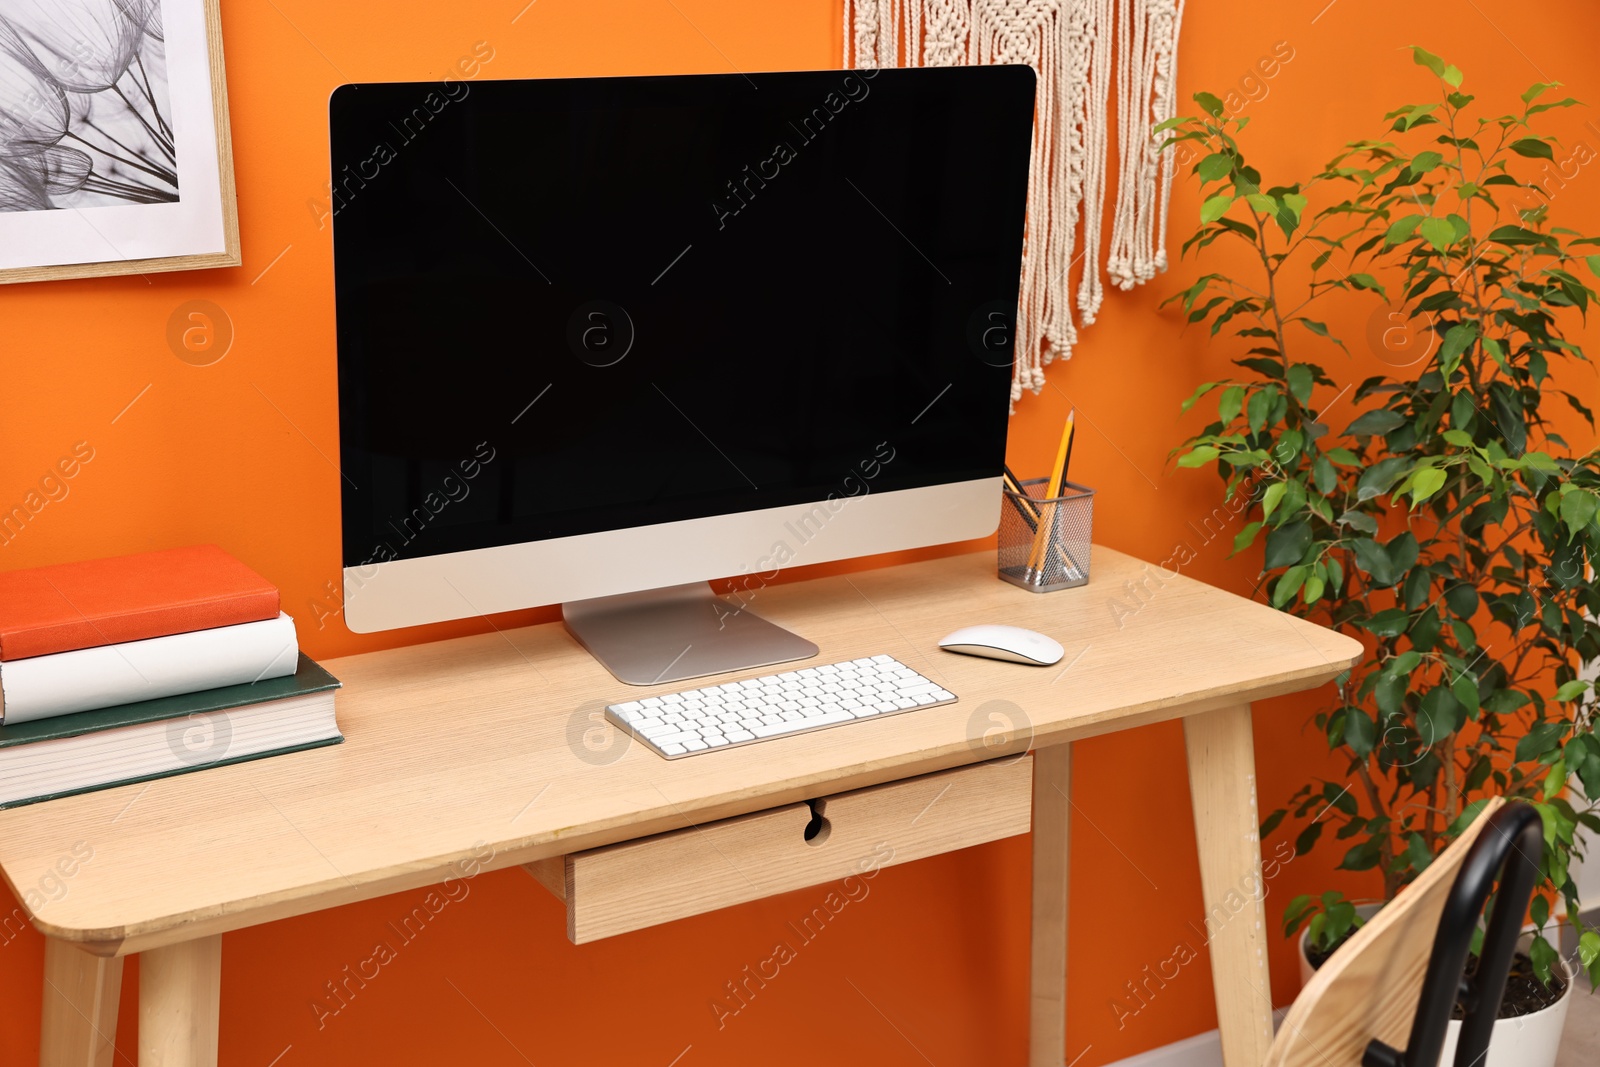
1526, 1041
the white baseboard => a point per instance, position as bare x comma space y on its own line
1201, 1050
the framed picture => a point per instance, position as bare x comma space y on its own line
115, 156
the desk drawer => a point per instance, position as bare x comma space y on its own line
635, 884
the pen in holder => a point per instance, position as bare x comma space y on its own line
1044, 540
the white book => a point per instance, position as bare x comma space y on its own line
87, 679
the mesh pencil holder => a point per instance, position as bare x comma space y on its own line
1044, 541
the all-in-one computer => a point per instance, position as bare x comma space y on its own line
601, 340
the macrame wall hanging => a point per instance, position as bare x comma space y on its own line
1069, 43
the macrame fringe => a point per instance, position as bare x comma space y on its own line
1069, 44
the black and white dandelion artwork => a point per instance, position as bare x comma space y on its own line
85, 116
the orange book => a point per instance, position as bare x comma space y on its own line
68, 606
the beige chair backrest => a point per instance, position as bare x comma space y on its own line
1370, 987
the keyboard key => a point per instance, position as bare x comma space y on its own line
677, 739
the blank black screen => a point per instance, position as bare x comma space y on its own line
575, 305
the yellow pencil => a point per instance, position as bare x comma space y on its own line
1041, 536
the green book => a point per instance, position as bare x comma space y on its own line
68, 754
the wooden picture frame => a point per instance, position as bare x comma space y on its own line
189, 33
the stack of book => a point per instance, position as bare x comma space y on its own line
119, 670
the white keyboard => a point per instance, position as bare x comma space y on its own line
776, 705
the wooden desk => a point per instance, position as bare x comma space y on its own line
466, 748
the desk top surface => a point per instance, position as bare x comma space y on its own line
475, 753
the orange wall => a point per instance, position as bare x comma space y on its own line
932, 965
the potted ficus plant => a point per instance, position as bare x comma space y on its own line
1434, 511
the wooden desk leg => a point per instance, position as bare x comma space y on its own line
79, 1023
180, 994
1047, 1022
1222, 783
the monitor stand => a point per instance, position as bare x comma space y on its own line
681, 631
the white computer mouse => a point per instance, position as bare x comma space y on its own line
1010, 643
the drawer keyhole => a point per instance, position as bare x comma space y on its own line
819, 827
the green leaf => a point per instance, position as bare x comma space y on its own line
1215, 207
1246, 537
1403, 552
1323, 476
1229, 405
1289, 584
1204, 387
1389, 693
1287, 544
1390, 622
1456, 341
1209, 104
1556, 780
1272, 498
1572, 690
1425, 484
1424, 58
1259, 407
1462, 600
1360, 732
1363, 857
1438, 232
1270, 823
1417, 853
1300, 382
1533, 148
1378, 478
1198, 456
1438, 715
1465, 690
1425, 631
1452, 76
1516, 235
1262, 203
1374, 561
1368, 282
1358, 520
1217, 165
1307, 838
1540, 738
1537, 88
1402, 229
1543, 957
1318, 328
1578, 509
1588, 947
1380, 421
1423, 162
